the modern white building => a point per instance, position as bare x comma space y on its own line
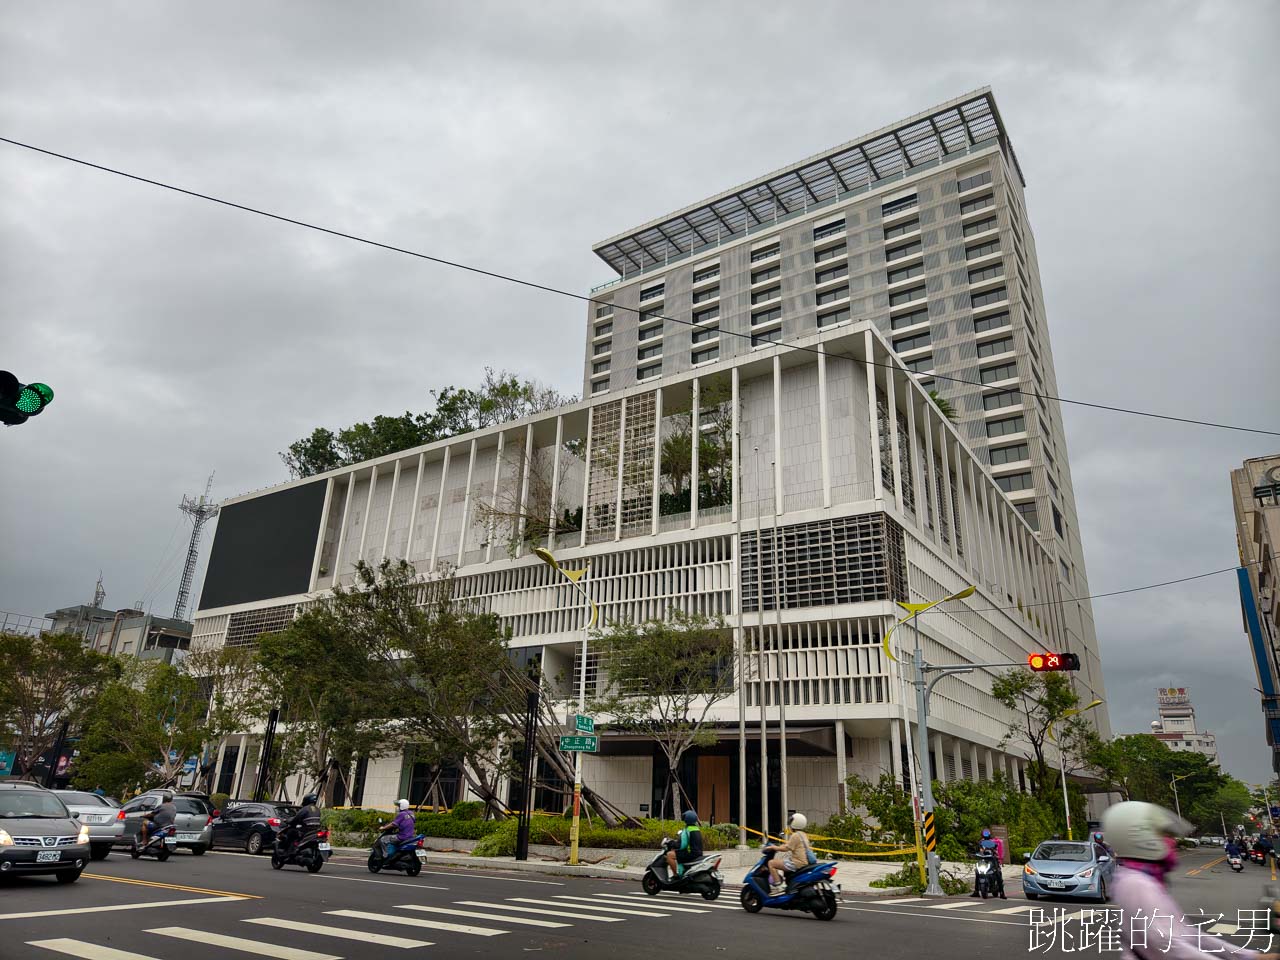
821, 439
1176, 727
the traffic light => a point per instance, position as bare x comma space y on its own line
1040, 662
18, 401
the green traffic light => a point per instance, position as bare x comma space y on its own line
29, 401
45, 391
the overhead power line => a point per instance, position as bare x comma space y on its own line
534, 285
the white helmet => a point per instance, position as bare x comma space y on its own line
799, 821
1138, 830
404, 804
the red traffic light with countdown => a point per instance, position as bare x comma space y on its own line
1041, 662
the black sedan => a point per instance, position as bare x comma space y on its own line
249, 825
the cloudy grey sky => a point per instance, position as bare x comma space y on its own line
183, 338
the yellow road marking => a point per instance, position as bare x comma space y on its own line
172, 886
1273, 869
1214, 863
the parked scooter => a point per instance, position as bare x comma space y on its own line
159, 845
310, 851
812, 889
700, 876
985, 879
406, 855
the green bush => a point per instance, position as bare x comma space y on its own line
909, 876
469, 810
219, 801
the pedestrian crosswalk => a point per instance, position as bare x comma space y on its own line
387, 926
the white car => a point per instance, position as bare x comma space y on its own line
101, 815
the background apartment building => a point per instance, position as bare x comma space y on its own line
1255, 495
922, 229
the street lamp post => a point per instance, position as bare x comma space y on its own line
1062, 759
1174, 783
575, 577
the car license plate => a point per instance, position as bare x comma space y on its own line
188, 837
48, 856
323, 846
422, 855
94, 818
170, 842
1055, 884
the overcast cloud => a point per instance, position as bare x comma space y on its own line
183, 338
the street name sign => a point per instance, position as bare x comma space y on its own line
584, 724
580, 744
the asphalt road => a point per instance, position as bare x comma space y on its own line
226, 905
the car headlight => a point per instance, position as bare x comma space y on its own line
1028, 871
5, 839
84, 835
1086, 873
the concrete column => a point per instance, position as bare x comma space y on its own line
824, 425
413, 509
957, 758
324, 524
240, 758
586, 477
622, 459
493, 495
466, 504
930, 467
973, 762
657, 452
391, 510
946, 486
778, 493
914, 459
891, 395
435, 535
342, 530
877, 491
842, 771
524, 488
735, 471
939, 762
368, 509
553, 520
695, 427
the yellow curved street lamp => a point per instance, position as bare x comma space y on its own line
575, 578
1062, 762
914, 609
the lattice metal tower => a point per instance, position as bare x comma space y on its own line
200, 510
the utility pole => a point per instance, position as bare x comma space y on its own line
736, 484
782, 662
764, 720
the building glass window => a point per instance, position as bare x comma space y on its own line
831, 273
1058, 525
822, 256
1002, 428
1029, 513
768, 273
764, 253
835, 316
977, 203
766, 316
977, 180
600, 348
978, 274
604, 310
897, 206
706, 273
600, 386
993, 347
901, 229
988, 296
906, 273
604, 329
653, 370
832, 295
909, 319
700, 296
903, 344
1013, 454
1014, 482
644, 353
906, 250
649, 293
760, 296
707, 315
979, 226
906, 296
1001, 399
920, 364
710, 353
992, 321
982, 249
653, 313
1003, 371
709, 333
600, 366
770, 336
828, 230
648, 333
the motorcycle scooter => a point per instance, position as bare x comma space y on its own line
984, 875
1236, 863
812, 889
159, 845
310, 851
406, 856
701, 876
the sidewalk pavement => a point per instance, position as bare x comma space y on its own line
854, 876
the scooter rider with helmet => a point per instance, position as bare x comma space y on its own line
162, 816
989, 846
1142, 836
403, 825
305, 821
795, 854
688, 847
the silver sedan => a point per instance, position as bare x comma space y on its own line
101, 815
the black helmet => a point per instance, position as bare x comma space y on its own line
310, 800
690, 817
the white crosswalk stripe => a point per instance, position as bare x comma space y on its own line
583, 914
244, 946
454, 912
958, 905
323, 930
598, 907
418, 922
1224, 929
86, 951
664, 907
1025, 908
664, 900
905, 900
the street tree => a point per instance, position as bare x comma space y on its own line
662, 678
45, 681
1040, 702
142, 728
